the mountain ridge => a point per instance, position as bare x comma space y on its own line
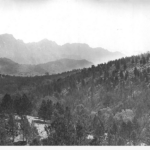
7, 66
46, 50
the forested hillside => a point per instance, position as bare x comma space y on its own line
107, 104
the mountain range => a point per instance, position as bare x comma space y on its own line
46, 51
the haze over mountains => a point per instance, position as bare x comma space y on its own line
45, 51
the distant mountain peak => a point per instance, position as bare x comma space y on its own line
7, 36
46, 50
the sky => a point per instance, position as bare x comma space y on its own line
116, 25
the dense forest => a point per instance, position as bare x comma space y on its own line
107, 104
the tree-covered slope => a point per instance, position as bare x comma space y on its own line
107, 104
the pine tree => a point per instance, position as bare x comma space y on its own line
7, 104
5, 139
12, 126
43, 110
49, 109
23, 105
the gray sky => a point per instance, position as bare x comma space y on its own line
116, 25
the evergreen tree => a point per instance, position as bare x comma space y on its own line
79, 131
49, 109
7, 104
43, 110
12, 126
23, 105
5, 139
121, 74
126, 75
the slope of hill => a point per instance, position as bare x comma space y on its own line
64, 65
45, 51
109, 102
7, 66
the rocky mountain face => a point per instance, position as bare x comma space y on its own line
46, 51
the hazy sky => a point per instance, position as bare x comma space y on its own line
116, 25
